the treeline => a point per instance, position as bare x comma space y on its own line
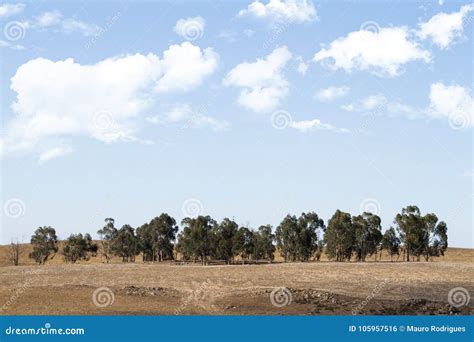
302, 238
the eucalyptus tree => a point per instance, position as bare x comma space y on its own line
125, 244
197, 240
45, 244
367, 231
391, 243
421, 235
225, 236
297, 238
156, 238
106, 235
339, 237
79, 247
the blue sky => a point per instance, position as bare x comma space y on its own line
249, 110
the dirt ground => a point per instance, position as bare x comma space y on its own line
314, 288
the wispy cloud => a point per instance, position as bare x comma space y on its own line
8, 10
331, 93
5, 44
315, 125
187, 116
56, 21
452, 102
54, 153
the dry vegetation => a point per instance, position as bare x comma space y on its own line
316, 287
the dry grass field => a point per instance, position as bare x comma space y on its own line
313, 288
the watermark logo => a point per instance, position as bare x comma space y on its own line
281, 297
192, 30
14, 31
459, 120
14, 208
370, 205
103, 120
458, 296
192, 207
103, 297
280, 119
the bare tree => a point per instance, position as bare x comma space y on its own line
14, 253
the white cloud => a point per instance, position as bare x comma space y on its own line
443, 28
8, 10
382, 52
370, 102
288, 10
469, 173
302, 66
190, 28
71, 25
189, 117
185, 66
263, 82
55, 20
228, 35
248, 32
379, 105
5, 44
453, 102
53, 153
315, 124
48, 19
332, 93
101, 100
373, 101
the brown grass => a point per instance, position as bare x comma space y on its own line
316, 287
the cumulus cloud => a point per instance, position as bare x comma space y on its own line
8, 10
188, 116
443, 28
298, 11
190, 28
383, 52
453, 102
53, 153
263, 82
332, 93
185, 66
101, 100
313, 125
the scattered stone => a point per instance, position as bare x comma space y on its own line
144, 291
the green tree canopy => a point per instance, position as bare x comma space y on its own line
45, 243
197, 240
340, 237
78, 247
297, 238
156, 238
